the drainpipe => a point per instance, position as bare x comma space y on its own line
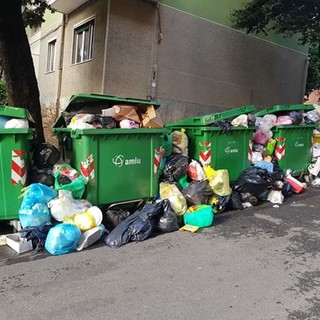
59, 71
104, 68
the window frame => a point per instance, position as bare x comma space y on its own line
81, 28
51, 58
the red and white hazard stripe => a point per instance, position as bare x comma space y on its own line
280, 148
158, 154
18, 168
250, 150
205, 156
87, 168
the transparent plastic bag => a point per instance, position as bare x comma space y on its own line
180, 142
218, 180
65, 206
195, 171
173, 194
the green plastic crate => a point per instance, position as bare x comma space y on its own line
297, 139
120, 165
211, 146
14, 163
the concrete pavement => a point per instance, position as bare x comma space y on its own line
261, 263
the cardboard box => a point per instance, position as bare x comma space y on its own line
151, 119
16, 243
122, 112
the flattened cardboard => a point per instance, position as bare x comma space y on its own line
123, 112
151, 119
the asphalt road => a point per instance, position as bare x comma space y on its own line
260, 263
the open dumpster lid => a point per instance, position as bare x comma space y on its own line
14, 112
212, 118
93, 103
282, 108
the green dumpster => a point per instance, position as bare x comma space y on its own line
119, 165
14, 161
295, 152
212, 146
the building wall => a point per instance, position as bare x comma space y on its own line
87, 76
199, 66
48, 81
130, 49
205, 67
219, 11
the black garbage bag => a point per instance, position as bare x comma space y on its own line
296, 117
287, 189
43, 176
224, 125
103, 122
254, 180
248, 197
235, 202
45, 155
175, 167
114, 216
222, 203
137, 227
251, 120
198, 192
168, 221
37, 235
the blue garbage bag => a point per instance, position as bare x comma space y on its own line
62, 238
33, 211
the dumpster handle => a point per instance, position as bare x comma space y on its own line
139, 202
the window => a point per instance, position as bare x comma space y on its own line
83, 42
51, 57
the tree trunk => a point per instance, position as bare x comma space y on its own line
17, 63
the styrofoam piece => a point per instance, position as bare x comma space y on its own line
18, 244
89, 237
97, 214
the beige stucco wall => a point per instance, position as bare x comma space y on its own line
199, 66
86, 76
48, 81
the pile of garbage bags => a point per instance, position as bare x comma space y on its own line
56, 218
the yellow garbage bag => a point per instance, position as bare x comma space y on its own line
218, 180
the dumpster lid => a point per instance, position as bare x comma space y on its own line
282, 108
93, 103
14, 112
213, 117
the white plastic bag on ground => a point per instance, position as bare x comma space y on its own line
275, 196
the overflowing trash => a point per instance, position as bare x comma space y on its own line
117, 116
56, 216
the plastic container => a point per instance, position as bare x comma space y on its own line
14, 163
119, 165
210, 145
296, 148
199, 215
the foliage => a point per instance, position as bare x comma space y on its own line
313, 80
3, 93
287, 17
33, 11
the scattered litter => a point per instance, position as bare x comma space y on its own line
189, 228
